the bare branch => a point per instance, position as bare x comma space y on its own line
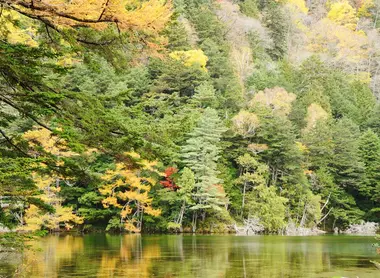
10, 103
9, 140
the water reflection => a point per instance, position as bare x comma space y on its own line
103, 255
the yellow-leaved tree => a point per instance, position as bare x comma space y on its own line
343, 14
142, 20
151, 15
364, 7
347, 48
189, 58
62, 217
10, 22
43, 142
126, 188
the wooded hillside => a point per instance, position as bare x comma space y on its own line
189, 115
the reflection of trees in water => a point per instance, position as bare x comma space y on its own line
55, 252
192, 256
294, 257
10, 262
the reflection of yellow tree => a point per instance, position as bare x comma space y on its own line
126, 189
46, 256
108, 265
134, 259
134, 255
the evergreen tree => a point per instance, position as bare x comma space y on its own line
374, 120
346, 163
205, 96
370, 154
276, 21
201, 154
319, 144
283, 156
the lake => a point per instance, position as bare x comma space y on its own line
105, 255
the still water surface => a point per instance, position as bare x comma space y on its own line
103, 255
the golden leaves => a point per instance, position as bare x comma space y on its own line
48, 141
365, 7
11, 32
147, 16
36, 219
343, 14
345, 45
191, 58
301, 147
127, 210
43, 182
130, 226
111, 201
151, 211
41, 138
33, 219
125, 188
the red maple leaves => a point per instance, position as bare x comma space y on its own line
169, 182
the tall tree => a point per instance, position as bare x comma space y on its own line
126, 189
276, 22
186, 184
201, 154
252, 174
346, 162
369, 149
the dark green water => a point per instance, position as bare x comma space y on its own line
102, 255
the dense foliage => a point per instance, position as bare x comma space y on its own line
191, 115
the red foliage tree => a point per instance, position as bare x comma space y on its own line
168, 182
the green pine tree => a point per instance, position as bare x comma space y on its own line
370, 186
205, 96
276, 21
201, 154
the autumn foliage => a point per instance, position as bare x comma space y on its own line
169, 182
126, 189
40, 142
124, 14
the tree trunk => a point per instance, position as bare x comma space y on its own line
303, 219
243, 200
181, 213
194, 222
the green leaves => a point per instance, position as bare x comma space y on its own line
201, 154
264, 203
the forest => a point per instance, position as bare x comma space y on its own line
154, 116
